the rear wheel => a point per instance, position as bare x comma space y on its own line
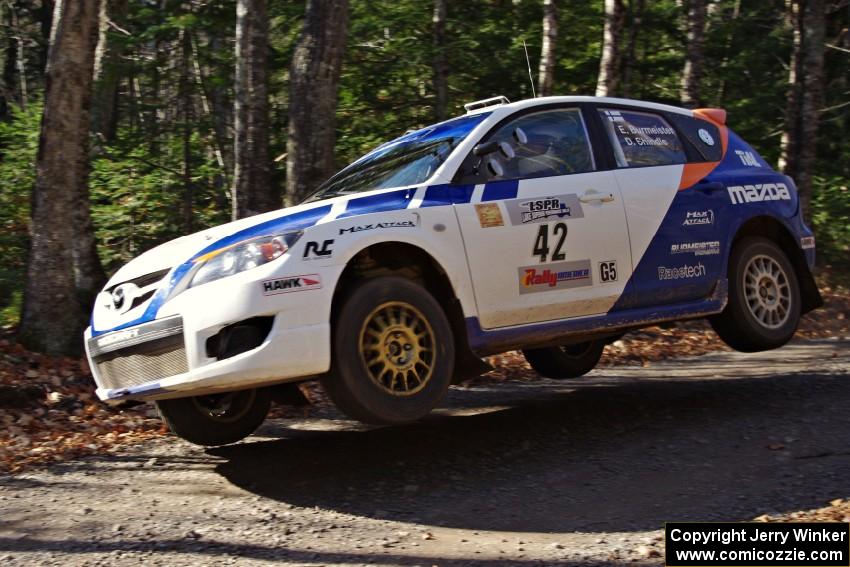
764, 298
216, 419
393, 352
569, 361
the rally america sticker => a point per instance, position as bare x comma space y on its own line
544, 209
551, 277
292, 283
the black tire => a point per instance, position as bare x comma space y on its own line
563, 362
218, 419
393, 352
769, 318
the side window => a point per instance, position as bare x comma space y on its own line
703, 136
541, 144
642, 139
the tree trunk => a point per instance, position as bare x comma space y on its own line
63, 271
314, 82
546, 72
186, 118
440, 65
108, 70
636, 9
609, 64
727, 47
252, 187
805, 96
692, 73
20, 57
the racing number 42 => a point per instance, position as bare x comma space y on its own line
541, 243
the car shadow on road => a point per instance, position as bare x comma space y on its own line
614, 455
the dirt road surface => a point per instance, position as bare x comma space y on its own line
541, 473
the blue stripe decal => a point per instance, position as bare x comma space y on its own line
484, 342
392, 201
500, 190
441, 195
295, 221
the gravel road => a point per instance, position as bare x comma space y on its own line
542, 473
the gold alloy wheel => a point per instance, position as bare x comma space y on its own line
397, 348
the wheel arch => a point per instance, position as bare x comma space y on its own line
399, 258
772, 228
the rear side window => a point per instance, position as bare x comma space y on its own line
642, 139
702, 135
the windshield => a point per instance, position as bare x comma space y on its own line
408, 160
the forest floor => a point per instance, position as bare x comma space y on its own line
49, 412
522, 472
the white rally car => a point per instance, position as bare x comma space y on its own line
551, 225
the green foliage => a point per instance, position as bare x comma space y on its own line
142, 181
831, 220
18, 148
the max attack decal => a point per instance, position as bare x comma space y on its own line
696, 248
697, 218
564, 275
489, 215
413, 223
757, 193
294, 283
528, 211
682, 272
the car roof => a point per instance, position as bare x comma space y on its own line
540, 101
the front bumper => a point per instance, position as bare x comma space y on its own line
168, 356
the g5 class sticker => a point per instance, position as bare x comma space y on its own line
544, 209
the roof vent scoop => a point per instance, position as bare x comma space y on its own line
478, 104
717, 115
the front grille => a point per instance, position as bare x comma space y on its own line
140, 354
137, 369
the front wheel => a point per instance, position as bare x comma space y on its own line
217, 419
393, 352
563, 362
764, 298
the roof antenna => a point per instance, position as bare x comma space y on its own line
530, 78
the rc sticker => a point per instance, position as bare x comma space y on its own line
563, 275
696, 248
292, 283
489, 215
318, 251
544, 209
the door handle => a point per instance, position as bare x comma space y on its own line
591, 196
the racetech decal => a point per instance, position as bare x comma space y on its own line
292, 283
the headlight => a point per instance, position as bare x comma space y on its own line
242, 256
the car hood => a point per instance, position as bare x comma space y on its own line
186, 248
